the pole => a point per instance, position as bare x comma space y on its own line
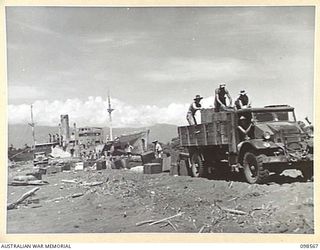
75, 134
59, 131
32, 124
110, 117
110, 127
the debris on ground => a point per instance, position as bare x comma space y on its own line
113, 200
22, 198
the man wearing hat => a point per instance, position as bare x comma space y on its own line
245, 129
220, 98
157, 149
193, 109
243, 100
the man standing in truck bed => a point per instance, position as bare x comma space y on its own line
220, 98
193, 109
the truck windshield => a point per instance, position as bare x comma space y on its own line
274, 116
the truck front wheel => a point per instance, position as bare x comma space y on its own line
253, 168
197, 166
307, 173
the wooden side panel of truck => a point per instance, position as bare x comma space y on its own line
216, 129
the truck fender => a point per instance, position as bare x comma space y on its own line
254, 145
257, 144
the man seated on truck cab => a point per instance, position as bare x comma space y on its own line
243, 100
245, 129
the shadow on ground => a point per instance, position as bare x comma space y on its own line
272, 179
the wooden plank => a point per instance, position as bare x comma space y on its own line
218, 136
193, 139
224, 132
215, 117
215, 131
188, 136
232, 143
180, 136
196, 135
205, 135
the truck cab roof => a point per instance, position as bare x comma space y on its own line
271, 108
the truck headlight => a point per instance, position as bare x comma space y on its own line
266, 135
266, 144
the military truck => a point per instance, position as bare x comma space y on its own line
274, 143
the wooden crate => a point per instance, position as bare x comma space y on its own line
147, 157
206, 115
209, 115
101, 165
166, 163
152, 168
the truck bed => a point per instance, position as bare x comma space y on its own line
217, 128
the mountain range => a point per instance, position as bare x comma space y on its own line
20, 134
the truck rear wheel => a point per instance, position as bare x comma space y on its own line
197, 166
253, 168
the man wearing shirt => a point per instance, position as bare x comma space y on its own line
243, 100
157, 149
220, 98
193, 109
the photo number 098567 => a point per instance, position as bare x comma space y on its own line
309, 246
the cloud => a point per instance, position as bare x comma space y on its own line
34, 27
17, 92
115, 39
184, 69
93, 112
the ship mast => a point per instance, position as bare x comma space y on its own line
110, 117
32, 125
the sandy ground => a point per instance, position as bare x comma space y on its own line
125, 198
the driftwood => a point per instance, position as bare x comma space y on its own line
233, 199
69, 181
56, 199
92, 184
202, 229
22, 198
144, 222
172, 225
27, 183
77, 195
168, 222
233, 211
166, 219
164, 225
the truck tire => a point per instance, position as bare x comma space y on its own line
197, 167
307, 174
253, 168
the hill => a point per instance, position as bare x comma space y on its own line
20, 134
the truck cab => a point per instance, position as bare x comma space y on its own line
274, 142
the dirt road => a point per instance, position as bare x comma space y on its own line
126, 198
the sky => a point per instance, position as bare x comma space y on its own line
154, 61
